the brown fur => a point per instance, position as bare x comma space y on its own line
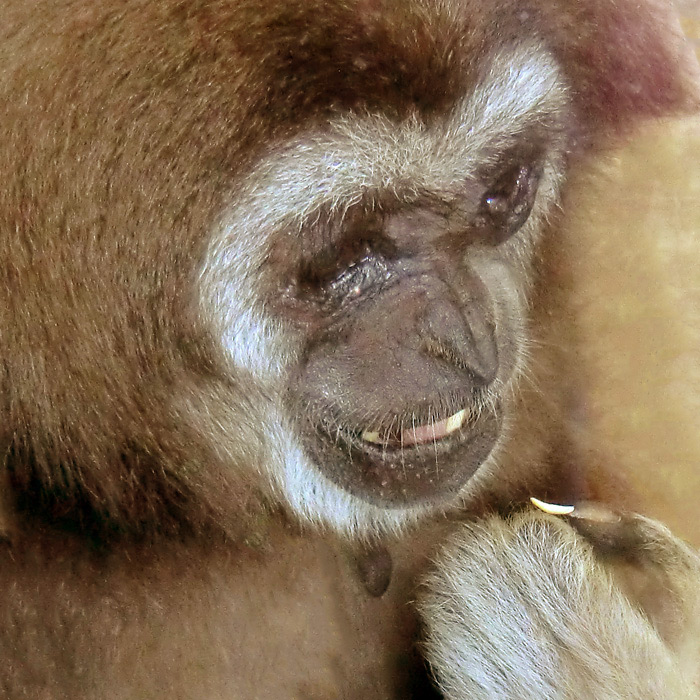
100, 96
141, 560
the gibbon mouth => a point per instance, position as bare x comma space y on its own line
400, 464
404, 437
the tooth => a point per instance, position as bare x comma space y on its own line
421, 434
552, 508
454, 422
372, 436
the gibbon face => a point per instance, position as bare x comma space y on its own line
373, 278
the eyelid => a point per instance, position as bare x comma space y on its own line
360, 276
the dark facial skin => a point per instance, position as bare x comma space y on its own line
389, 397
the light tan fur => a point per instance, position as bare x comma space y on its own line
638, 314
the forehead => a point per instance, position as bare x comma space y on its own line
520, 97
392, 57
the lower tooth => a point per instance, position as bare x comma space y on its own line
372, 436
455, 421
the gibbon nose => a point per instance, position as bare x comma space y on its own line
463, 337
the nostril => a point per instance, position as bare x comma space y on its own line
463, 338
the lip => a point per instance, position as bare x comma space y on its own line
390, 440
430, 432
391, 475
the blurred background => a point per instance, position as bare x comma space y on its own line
639, 311
690, 20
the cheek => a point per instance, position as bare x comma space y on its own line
233, 309
253, 342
